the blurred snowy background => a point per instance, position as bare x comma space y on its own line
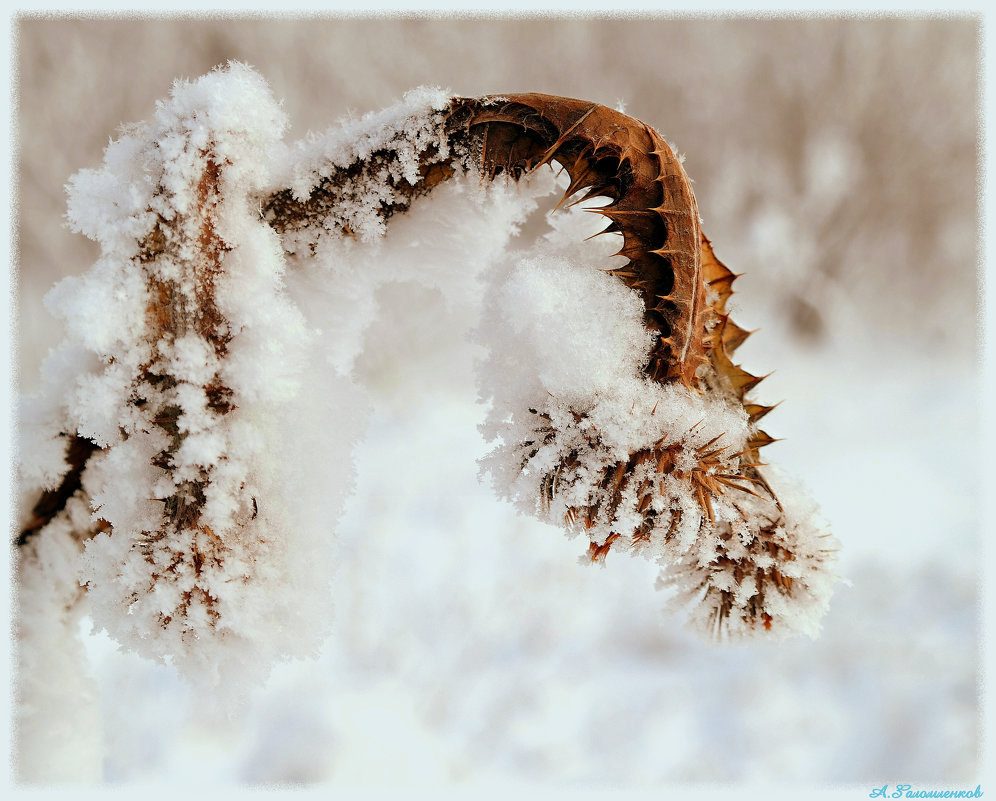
835, 163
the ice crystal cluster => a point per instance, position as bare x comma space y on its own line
208, 366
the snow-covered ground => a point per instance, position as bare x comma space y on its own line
468, 643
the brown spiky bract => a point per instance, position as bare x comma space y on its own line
651, 204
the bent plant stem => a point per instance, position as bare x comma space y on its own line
671, 264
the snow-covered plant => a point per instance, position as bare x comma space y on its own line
193, 436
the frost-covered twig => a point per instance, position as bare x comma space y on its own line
200, 394
185, 357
